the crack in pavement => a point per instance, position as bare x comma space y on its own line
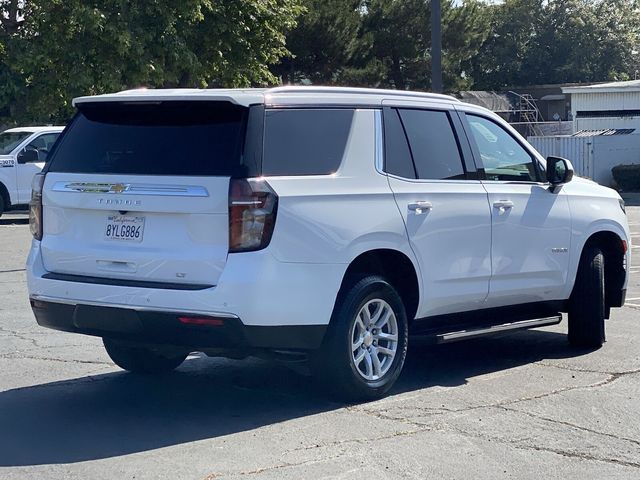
14, 270
279, 466
557, 451
16, 334
360, 441
585, 370
10, 356
572, 425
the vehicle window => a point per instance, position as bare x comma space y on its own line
305, 141
502, 156
164, 138
42, 145
10, 140
397, 156
433, 144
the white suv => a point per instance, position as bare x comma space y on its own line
23, 152
319, 223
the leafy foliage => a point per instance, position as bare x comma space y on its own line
67, 48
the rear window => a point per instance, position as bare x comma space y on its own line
305, 141
163, 138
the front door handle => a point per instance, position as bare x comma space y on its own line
420, 207
503, 204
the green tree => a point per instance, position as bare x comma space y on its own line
382, 43
324, 43
557, 41
67, 48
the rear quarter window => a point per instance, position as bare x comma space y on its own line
305, 141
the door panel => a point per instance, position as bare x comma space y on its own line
451, 237
531, 243
447, 216
531, 226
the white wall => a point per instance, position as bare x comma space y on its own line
592, 157
605, 101
598, 101
606, 123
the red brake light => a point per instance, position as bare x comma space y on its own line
252, 214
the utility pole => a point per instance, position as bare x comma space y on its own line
436, 47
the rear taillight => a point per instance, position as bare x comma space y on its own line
252, 214
35, 206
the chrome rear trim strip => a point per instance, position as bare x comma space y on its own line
132, 189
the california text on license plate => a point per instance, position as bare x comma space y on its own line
124, 227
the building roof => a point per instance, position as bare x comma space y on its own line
628, 86
606, 132
250, 96
49, 128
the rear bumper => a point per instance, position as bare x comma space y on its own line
165, 328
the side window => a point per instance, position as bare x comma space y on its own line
433, 144
42, 145
305, 141
502, 156
397, 156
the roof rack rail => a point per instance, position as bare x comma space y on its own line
359, 91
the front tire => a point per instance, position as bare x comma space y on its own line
140, 359
365, 347
587, 307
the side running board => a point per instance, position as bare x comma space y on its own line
505, 327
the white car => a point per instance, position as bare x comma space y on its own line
307, 222
23, 152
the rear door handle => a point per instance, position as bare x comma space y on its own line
420, 207
503, 204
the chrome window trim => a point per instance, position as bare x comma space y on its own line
379, 146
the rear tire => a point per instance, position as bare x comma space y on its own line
2, 205
140, 359
587, 308
364, 349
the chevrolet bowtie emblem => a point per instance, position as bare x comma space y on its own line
118, 188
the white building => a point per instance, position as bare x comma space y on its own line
605, 106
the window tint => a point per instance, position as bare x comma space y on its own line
433, 144
10, 140
397, 156
164, 138
305, 142
502, 156
42, 145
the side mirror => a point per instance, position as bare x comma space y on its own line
559, 171
28, 156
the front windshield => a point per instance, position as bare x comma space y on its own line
10, 140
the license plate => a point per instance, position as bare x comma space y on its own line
124, 227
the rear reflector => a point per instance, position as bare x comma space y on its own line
216, 322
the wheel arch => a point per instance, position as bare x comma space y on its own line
614, 248
393, 265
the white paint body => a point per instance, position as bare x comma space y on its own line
467, 254
17, 177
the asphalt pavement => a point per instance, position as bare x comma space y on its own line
520, 406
